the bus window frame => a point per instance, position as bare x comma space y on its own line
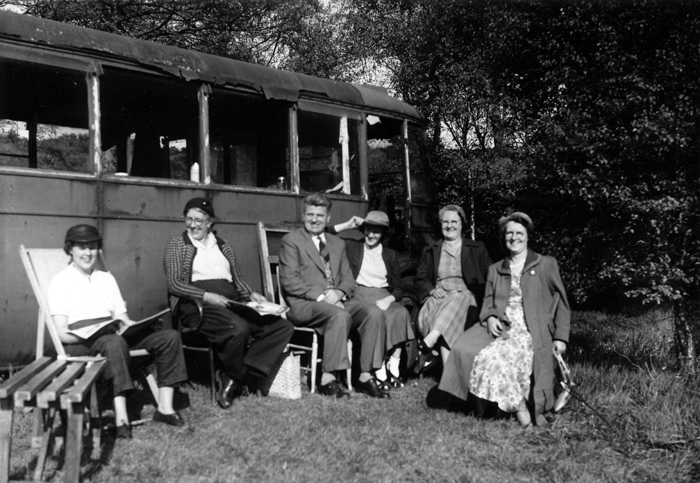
343, 113
93, 68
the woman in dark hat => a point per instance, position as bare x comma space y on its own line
506, 361
202, 267
376, 271
83, 295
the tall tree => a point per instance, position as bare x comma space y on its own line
259, 31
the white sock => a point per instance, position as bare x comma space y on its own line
394, 365
381, 373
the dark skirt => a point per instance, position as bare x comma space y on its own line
455, 376
398, 320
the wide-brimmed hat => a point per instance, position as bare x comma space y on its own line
202, 204
377, 218
83, 234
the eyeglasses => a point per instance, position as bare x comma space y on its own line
196, 221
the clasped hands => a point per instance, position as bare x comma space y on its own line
495, 327
332, 296
221, 301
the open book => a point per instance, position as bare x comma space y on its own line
87, 328
253, 309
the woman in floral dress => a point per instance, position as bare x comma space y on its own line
507, 359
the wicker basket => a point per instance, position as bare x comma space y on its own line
287, 381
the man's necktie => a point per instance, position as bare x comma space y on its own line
323, 250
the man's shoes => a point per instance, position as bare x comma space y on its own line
171, 419
333, 389
228, 391
370, 388
124, 431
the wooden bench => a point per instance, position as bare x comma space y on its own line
49, 386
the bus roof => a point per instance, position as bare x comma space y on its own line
191, 65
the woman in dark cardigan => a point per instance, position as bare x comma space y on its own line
376, 271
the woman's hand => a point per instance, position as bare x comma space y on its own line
385, 302
216, 299
495, 326
438, 293
559, 347
257, 298
351, 224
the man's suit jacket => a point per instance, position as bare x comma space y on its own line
302, 272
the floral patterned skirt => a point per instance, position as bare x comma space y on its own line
501, 371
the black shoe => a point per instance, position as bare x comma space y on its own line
384, 385
371, 389
171, 419
228, 391
124, 432
426, 359
395, 382
334, 389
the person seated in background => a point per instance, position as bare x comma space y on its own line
318, 285
81, 294
450, 284
376, 271
202, 267
524, 318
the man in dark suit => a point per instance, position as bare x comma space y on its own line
318, 286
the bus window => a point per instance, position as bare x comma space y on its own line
249, 140
421, 179
328, 148
386, 170
43, 117
144, 118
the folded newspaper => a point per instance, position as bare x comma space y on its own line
260, 308
88, 328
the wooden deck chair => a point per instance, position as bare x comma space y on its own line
41, 265
272, 290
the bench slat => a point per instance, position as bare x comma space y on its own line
9, 387
53, 391
38, 382
77, 394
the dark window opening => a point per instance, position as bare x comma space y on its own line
249, 140
322, 139
149, 124
43, 118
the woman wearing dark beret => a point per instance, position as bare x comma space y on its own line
202, 267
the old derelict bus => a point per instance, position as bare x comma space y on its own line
103, 129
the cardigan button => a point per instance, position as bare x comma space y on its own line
532, 272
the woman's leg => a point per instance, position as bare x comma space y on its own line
431, 339
166, 347
121, 416
523, 415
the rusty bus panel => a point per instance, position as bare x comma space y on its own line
131, 134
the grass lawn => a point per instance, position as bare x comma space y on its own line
651, 434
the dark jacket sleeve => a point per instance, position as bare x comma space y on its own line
562, 314
488, 308
424, 280
392, 273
